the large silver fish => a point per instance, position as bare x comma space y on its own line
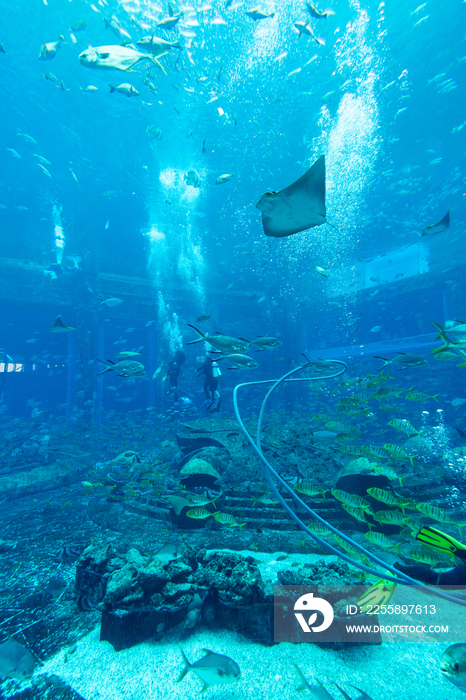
115, 58
125, 368
223, 343
239, 361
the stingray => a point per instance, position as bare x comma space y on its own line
15, 661
438, 227
298, 207
60, 327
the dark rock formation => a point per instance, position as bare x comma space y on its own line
142, 597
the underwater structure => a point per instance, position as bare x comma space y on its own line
232, 351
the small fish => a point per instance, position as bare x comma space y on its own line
156, 45
198, 513
55, 587
48, 51
228, 519
321, 271
124, 89
403, 426
379, 539
309, 489
169, 22
169, 552
224, 178
157, 372
264, 342
110, 302
376, 329
114, 25
398, 452
79, 25
202, 318
317, 14
257, 14
68, 554
403, 360
437, 514
265, 499
212, 669
192, 178
353, 500
458, 402
125, 368
420, 396
387, 497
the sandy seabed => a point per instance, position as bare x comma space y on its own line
149, 671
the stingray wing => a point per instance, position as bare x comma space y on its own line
60, 327
438, 227
298, 207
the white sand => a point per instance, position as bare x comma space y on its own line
149, 671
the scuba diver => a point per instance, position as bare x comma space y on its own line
6, 359
212, 374
174, 371
448, 545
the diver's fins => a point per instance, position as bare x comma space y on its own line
442, 542
380, 593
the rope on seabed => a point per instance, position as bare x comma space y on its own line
269, 471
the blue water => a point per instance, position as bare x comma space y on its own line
106, 212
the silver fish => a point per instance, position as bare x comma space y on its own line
403, 361
212, 669
115, 58
156, 45
124, 89
240, 361
223, 343
125, 368
453, 665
